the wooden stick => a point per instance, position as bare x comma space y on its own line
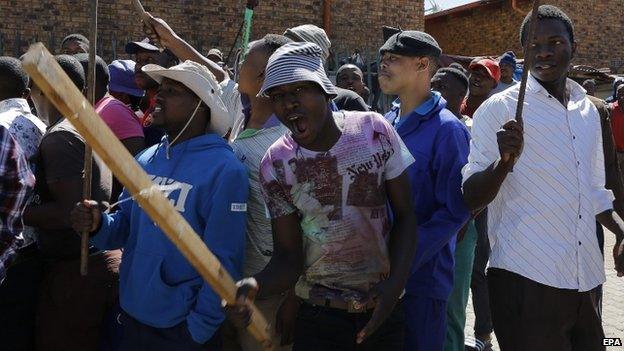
140, 10
528, 60
88, 155
145, 18
56, 85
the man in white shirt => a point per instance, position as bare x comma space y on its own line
546, 262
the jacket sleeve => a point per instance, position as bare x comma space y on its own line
115, 228
224, 234
451, 155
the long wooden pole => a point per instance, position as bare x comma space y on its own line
138, 7
56, 85
88, 156
327, 24
528, 61
145, 18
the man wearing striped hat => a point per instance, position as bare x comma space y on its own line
329, 184
344, 99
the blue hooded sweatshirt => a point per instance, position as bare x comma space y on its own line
207, 184
439, 143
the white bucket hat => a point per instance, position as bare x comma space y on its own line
204, 84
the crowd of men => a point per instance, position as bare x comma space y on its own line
348, 229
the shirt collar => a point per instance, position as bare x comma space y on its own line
416, 116
423, 109
577, 93
271, 122
16, 103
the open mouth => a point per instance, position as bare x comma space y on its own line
476, 84
544, 66
158, 110
297, 124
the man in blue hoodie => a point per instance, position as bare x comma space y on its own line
166, 304
440, 144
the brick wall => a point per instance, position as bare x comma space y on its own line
493, 29
356, 24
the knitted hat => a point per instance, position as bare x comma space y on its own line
508, 58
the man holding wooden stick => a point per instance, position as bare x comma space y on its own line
166, 304
546, 262
71, 307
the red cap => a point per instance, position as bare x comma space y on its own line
490, 66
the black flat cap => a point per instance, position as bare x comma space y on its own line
134, 46
411, 43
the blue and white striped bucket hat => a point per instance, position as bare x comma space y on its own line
297, 62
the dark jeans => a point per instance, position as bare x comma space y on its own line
601, 238
18, 301
426, 325
479, 285
531, 316
329, 329
141, 337
73, 309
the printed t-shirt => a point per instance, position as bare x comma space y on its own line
341, 199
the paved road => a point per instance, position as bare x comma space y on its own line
613, 305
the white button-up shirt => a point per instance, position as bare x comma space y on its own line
542, 222
24, 127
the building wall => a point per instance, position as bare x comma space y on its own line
493, 29
356, 24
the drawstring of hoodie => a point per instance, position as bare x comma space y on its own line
169, 144
146, 193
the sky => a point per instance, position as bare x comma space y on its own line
447, 4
